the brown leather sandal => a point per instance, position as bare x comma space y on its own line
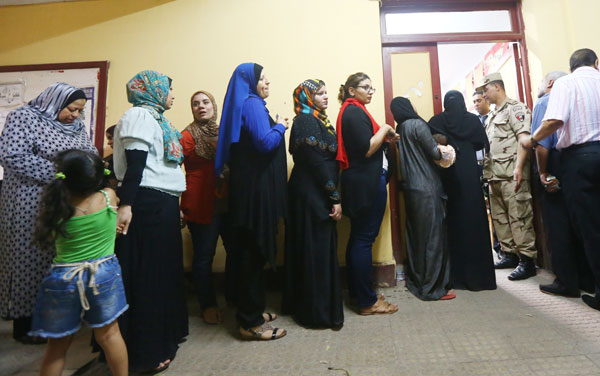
259, 333
212, 316
381, 307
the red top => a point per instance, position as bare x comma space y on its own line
198, 200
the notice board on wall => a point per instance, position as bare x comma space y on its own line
21, 83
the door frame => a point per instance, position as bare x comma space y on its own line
516, 34
395, 213
429, 42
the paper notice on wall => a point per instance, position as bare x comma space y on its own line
11, 94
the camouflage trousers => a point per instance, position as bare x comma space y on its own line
512, 215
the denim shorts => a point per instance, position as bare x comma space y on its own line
60, 305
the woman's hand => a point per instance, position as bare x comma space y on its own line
384, 134
440, 139
448, 156
182, 221
284, 121
336, 212
392, 136
124, 216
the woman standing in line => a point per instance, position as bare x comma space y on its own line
33, 136
204, 204
147, 158
364, 187
253, 145
471, 261
313, 292
428, 262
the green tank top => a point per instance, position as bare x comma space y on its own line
91, 236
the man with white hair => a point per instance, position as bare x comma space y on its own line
568, 261
574, 110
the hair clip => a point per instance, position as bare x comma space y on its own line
60, 175
107, 171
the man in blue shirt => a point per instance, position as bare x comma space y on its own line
568, 260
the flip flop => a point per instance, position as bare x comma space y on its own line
448, 296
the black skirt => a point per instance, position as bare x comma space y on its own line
313, 291
151, 258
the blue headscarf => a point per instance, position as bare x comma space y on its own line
149, 89
51, 102
241, 85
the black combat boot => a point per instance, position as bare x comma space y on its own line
508, 261
524, 270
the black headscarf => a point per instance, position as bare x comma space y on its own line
403, 110
257, 71
457, 123
77, 94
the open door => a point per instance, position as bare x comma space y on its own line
411, 72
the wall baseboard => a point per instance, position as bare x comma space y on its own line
384, 276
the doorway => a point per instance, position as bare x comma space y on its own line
430, 48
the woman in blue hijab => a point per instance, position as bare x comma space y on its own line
253, 145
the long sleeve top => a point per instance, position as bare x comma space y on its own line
418, 149
315, 173
255, 120
198, 200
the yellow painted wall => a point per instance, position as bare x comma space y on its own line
199, 43
556, 28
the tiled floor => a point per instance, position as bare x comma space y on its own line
514, 330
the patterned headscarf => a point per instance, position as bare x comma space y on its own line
149, 89
205, 131
51, 102
304, 102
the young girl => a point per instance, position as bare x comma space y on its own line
84, 282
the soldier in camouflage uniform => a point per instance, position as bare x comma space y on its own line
510, 193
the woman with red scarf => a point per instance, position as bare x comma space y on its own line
361, 144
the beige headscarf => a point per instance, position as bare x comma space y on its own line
205, 132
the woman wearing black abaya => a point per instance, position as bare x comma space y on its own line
471, 262
427, 265
253, 145
313, 291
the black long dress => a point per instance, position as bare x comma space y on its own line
313, 292
426, 244
471, 261
427, 266
257, 202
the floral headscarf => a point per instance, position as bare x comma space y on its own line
149, 89
304, 102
